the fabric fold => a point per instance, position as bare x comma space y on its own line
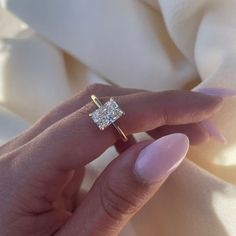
153, 45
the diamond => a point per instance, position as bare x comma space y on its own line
107, 114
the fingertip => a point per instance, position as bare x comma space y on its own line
195, 132
214, 101
217, 91
213, 132
159, 159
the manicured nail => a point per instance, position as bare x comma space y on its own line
213, 131
220, 92
159, 159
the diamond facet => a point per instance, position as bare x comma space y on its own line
107, 114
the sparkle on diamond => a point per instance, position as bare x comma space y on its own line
106, 114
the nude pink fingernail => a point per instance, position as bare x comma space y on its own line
159, 159
213, 131
209, 127
220, 92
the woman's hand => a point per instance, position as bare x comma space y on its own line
45, 165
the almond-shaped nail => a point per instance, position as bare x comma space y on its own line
220, 92
159, 159
213, 131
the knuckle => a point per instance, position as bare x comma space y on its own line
95, 88
115, 203
165, 117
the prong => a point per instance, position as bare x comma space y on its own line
96, 101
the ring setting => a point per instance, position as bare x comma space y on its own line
107, 114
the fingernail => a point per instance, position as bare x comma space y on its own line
159, 159
213, 131
209, 127
220, 92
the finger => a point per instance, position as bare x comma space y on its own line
63, 110
81, 196
195, 132
68, 198
125, 186
77, 131
75, 140
72, 191
213, 131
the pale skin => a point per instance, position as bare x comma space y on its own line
42, 169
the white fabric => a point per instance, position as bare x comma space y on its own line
165, 44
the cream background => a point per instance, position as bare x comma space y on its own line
165, 44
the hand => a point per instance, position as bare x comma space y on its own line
45, 165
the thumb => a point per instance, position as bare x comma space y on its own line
126, 185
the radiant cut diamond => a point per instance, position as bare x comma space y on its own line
107, 114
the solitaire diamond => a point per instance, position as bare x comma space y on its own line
107, 114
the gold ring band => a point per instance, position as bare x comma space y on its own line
107, 114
